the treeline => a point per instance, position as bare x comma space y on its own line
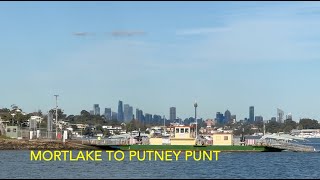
274, 127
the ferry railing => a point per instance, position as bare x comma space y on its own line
286, 145
114, 141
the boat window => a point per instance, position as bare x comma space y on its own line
187, 130
182, 130
177, 130
8, 130
14, 130
225, 137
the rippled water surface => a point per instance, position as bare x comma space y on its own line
17, 164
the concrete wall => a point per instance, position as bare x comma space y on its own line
222, 139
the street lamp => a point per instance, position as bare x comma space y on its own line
13, 118
56, 115
195, 117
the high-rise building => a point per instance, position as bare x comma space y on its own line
91, 112
156, 120
258, 119
96, 109
273, 119
280, 115
114, 116
148, 118
234, 118
173, 113
126, 112
227, 116
131, 113
107, 113
139, 115
289, 116
251, 114
219, 118
120, 111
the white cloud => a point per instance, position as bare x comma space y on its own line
260, 39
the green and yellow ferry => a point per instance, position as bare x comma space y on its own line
182, 138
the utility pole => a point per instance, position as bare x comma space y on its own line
56, 115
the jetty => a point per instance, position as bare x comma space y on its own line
285, 142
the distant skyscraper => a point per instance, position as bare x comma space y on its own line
96, 109
173, 114
120, 111
91, 112
148, 118
107, 113
234, 118
280, 115
273, 119
219, 118
227, 116
251, 114
258, 119
137, 113
157, 120
114, 116
289, 116
140, 116
128, 112
130, 116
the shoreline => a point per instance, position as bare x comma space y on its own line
14, 144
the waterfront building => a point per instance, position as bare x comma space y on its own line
289, 116
91, 112
107, 113
251, 114
222, 139
120, 111
273, 119
96, 109
172, 113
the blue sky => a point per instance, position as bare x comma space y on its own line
154, 55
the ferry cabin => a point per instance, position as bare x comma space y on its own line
185, 135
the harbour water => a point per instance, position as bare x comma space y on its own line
268, 165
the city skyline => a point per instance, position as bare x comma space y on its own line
157, 55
